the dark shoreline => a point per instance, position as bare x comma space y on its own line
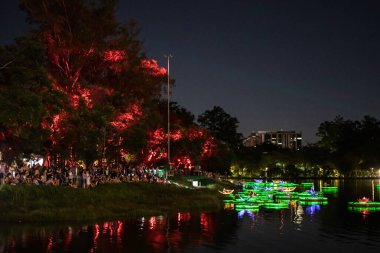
53, 205
298, 178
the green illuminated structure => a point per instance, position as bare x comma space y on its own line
276, 206
309, 194
286, 196
287, 185
364, 209
311, 203
313, 199
274, 195
228, 201
369, 204
329, 189
258, 185
307, 184
248, 207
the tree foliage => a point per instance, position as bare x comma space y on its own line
26, 98
352, 145
79, 87
222, 125
190, 144
346, 148
229, 142
85, 85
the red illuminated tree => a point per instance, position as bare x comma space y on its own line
98, 64
89, 92
190, 144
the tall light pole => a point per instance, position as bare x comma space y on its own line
168, 74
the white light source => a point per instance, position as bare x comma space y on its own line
196, 183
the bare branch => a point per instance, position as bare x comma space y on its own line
6, 64
67, 20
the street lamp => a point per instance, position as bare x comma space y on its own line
168, 74
104, 146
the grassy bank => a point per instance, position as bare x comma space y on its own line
111, 201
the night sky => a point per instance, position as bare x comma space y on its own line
272, 64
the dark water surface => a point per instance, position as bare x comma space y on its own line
329, 228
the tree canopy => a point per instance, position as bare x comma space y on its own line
79, 87
222, 125
351, 144
77, 83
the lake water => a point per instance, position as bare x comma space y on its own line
319, 228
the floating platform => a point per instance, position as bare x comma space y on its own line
258, 185
286, 197
313, 199
239, 207
369, 204
276, 205
364, 210
307, 194
329, 188
307, 184
279, 185
275, 195
311, 203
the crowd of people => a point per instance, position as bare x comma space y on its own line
76, 176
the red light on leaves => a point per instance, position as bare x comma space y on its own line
126, 119
176, 135
152, 68
184, 161
84, 94
114, 56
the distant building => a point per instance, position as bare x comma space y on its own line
283, 139
255, 139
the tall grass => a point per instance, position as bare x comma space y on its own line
23, 203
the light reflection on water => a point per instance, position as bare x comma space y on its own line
299, 228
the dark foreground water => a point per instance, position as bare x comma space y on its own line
329, 228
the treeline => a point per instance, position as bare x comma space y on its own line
346, 148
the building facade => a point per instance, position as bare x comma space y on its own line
284, 139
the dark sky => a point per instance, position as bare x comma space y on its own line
272, 64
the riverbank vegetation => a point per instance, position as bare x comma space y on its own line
48, 204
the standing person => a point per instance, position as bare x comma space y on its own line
84, 179
88, 179
71, 177
74, 170
79, 179
2, 173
